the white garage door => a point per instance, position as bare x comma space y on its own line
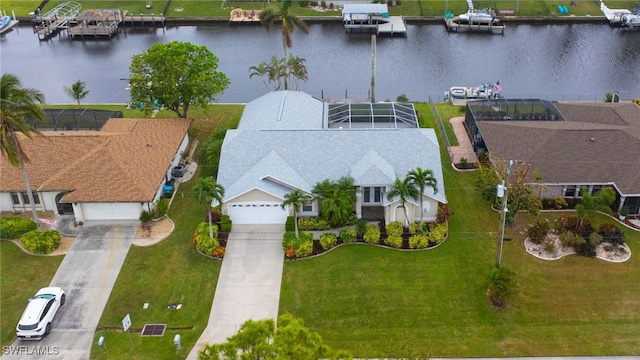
257, 212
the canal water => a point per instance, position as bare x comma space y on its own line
556, 62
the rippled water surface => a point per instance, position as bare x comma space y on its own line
570, 62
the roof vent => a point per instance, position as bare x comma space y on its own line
593, 139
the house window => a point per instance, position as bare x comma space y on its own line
15, 197
596, 188
22, 199
25, 198
307, 207
372, 195
570, 191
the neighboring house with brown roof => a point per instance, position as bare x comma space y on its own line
571, 144
111, 174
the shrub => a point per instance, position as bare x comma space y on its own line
500, 284
560, 203
203, 228
305, 236
219, 252
569, 238
361, 226
402, 98
304, 248
290, 252
550, 246
40, 242
566, 223
595, 238
585, 229
348, 235
372, 235
538, 231
161, 208
415, 228
206, 244
437, 233
290, 225
303, 3
394, 241
288, 240
418, 241
444, 213
394, 228
586, 248
328, 240
612, 235
225, 223
312, 223
13, 227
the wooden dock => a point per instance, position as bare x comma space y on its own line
12, 23
239, 16
144, 20
97, 23
454, 24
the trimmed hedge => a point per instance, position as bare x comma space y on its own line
372, 235
328, 240
225, 223
312, 223
290, 225
13, 227
204, 243
41, 242
394, 241
348, 235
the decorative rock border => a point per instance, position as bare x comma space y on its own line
532, 249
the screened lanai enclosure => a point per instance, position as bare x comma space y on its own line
74, 119
371, 115
506, 110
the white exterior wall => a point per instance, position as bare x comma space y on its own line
395, 212
107, 211
5, 202
47, 202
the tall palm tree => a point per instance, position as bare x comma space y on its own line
16, 104
296, 199
404, 190
296, 70
336, 207
77, 91
422, 179
207, 189
289, 22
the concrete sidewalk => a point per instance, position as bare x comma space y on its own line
249, 282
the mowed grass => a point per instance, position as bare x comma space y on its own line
428, 8
22, 275
383, 303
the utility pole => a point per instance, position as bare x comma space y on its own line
502, 193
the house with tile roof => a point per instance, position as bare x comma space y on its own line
288, 140
111, 174
570, 144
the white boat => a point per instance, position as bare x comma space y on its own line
630, 20
481, 17
484, 91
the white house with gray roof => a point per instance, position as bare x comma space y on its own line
283, 143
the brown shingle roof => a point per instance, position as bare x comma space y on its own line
125, 161
597, 143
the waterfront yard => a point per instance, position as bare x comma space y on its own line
221, 8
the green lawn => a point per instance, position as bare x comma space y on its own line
383, 303
22, 276
219, 8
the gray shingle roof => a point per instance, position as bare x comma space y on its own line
302, 158
283, 110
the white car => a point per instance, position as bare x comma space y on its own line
36, 320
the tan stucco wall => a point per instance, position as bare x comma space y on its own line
256, 195
394, 212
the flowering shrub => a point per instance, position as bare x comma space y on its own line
394, 228
437, 233
288, 240
290, 253
12, 227
328, 240
40, 242
348, 235
418, 241
219, 252
372, 235
444, 213
394, 241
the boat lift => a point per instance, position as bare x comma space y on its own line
60, 17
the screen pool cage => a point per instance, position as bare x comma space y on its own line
371, 115
73, 119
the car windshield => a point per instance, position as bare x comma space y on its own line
44, 296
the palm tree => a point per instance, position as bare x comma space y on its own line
77, 91
403, 189
261, 70
296, 200
16, 104
422, 179
207, 189
289, 22
336, 207
296, 70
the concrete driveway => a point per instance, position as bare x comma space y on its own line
249, 282
87, 275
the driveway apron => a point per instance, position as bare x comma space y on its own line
249, 282
87, 275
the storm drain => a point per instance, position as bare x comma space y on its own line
153, 329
